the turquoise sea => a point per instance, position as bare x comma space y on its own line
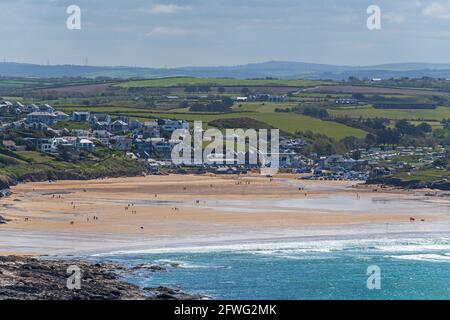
315, 268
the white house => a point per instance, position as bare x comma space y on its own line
85, 144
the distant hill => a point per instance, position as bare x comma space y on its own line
277, 69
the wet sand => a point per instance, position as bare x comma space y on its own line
101, 215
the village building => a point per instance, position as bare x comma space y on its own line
101, 121
102, 136
81, 116
46, 108
41, 117
150, 129
119, 126
31, 108
122, 143
85, 144
9, 144
168, 126
61, 116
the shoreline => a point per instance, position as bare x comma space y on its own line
141, 216
57, 218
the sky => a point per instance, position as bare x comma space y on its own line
176, 33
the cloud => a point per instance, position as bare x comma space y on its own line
167, 9
394, 17
174, 32
437, 10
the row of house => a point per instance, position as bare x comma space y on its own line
261, 97
150, 129
121, 134
16, 108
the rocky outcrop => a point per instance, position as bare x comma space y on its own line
5, 182
5, 193
36, 279
413, 184
164, 293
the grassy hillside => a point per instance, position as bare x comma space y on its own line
288, 122
183, 81
424, 175
35, 166
410, 114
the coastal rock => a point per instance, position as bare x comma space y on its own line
37, 279
149, 267
164, 293
5, 193
413, 184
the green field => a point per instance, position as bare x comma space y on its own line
288, 122
410, 114
17, 83
262, 106
226, 82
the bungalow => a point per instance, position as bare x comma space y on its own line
101, 117
36, 126
134, 124
46, 108
56, 142
9, 108
162, 146
41, 117
170, 126
19, 106
101, 121
346, 101
103, 136
122, 143
9, 144
80, 133
85, 144
43, 145
31, 108
119, 126
143, 147
81, 116
61, 116
150, 129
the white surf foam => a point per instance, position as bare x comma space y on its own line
293, 248
429, 257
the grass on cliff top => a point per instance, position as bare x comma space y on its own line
427, 175
25, 163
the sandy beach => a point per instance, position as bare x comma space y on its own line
67, 217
